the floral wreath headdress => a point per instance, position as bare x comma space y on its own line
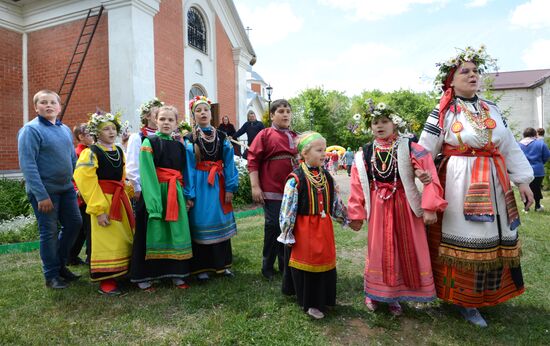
381, 110
447, 68
146, 107
99, 119
197, 100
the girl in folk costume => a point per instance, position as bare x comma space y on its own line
475, 249
309, 201
147, 115
213, 180
162, 246
100, 175
383, 191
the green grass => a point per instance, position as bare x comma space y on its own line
250, 310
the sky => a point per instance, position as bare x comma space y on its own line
356, 45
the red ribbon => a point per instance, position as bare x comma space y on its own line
116, 188
170, 176
213, 168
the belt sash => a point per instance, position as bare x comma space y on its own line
213, 168
170, 176
477, 204
116, 188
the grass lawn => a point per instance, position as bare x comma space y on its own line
250, 310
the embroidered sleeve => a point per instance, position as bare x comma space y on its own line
339, 211
289, 209
85, 177
432, 136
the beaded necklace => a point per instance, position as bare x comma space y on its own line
319, 182
203, 138
384, 173
114, 159
481, 122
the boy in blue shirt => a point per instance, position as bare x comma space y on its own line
47, 159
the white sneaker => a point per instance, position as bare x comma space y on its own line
315, 313
540, 209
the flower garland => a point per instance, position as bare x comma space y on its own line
145, 107
372, 112
479, 57
98, 118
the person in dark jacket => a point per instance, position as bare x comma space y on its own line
252, 127
229, 130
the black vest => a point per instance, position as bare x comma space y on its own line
167, 153
308, 199
218, 155
105, 169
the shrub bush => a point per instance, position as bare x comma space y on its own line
18, 229
243, 196
13, 199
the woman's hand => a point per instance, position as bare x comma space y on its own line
424, 176
228, 197
103, 220
189, 204
257, 195
356, 225
430, 217
526, 195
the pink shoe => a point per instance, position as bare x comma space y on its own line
372, 305
396, 309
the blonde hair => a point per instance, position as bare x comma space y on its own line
45, 92
167, 108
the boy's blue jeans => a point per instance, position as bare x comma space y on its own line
56, 242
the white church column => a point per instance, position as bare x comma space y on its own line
131, 55
241, 59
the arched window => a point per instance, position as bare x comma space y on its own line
196, 30
196, 91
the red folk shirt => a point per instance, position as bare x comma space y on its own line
270, 154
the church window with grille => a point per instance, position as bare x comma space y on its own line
196, 30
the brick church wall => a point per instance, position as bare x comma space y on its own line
227, 93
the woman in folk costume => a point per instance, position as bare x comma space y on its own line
383, 191
162, 246
100, 175
213, 180
309, 201
475, 248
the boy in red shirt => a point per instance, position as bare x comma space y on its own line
271, 158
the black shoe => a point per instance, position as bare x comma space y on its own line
267, 274
69, 276
77, 261
56, 283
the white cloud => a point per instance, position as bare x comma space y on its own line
532, 14
476, 3
536, 55
372, 10
364, 66
267, 23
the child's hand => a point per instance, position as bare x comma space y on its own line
137, 195
45, 206
257, 195
189, 204
424, 176
228, 196
103, 220
355, 225
430, 217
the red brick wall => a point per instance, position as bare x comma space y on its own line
11, 111
49, 53
168, 26
227, 94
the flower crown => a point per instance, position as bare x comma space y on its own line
145, 107
98, 118
184, 127
479, 57
195, 101
382, 110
